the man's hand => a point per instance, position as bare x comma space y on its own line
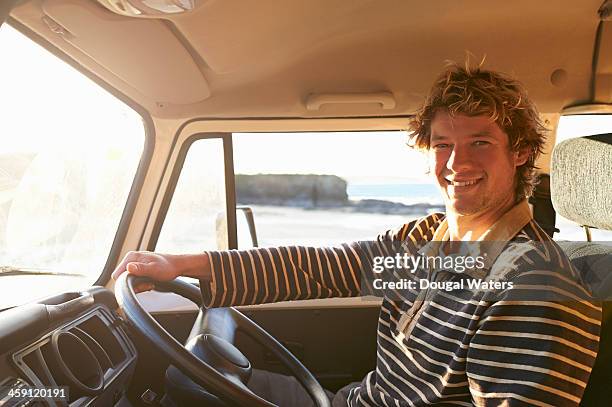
163, 267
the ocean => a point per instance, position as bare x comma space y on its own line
408, 194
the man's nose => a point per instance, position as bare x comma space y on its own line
460, 159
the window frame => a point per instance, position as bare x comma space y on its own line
230, 188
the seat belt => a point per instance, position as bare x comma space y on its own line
543, 212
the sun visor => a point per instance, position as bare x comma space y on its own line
144, 53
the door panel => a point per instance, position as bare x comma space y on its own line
338, 345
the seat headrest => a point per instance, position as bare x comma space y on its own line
581, 180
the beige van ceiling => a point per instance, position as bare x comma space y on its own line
265, 58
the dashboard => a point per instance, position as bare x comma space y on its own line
68, 350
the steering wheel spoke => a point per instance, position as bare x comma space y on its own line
215, 321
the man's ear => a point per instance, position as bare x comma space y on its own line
521, 156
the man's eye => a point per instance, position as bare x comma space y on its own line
481, 143
439, 146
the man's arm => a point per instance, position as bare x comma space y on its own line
274, 274
256, 276
262, 275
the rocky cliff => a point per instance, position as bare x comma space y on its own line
315, 191
294, 189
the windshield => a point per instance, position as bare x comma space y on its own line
68, 156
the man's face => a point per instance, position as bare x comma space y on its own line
473, 164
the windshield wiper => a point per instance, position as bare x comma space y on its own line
6, 271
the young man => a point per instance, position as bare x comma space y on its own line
483, 136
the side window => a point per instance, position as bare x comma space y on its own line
69, 152
580, 126
196, 217
326, 188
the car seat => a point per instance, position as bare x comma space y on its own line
581, 191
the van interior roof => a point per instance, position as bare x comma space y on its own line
316, 58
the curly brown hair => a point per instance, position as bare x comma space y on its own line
473, 91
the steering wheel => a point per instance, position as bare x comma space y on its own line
214, 362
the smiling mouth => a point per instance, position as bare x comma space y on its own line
465, 183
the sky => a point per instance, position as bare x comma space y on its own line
366, 157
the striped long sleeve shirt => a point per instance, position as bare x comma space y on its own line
445, 348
